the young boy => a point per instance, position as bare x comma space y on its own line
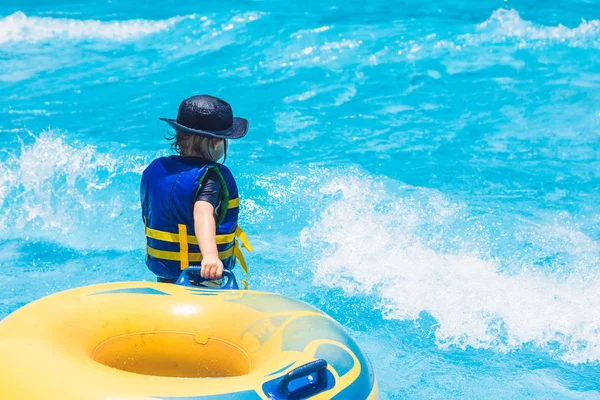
190, 200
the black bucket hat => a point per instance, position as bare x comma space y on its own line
208, 116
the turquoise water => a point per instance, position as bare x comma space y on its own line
427, 174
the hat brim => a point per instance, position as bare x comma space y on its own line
238, 129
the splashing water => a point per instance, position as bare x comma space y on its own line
59, 192
473, 303
427, 174
18, 27
507, 24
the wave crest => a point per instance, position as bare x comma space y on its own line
18, 27
71, 194
507, 25
419, 252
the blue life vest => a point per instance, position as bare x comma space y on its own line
168, 193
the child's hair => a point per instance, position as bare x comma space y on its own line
192, 145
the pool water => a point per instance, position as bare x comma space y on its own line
428, 173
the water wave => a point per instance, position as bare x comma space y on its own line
71, 194
504, 24
18, 27
425, 253
491, 42
507, 26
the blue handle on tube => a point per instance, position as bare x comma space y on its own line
184, 278
307, 381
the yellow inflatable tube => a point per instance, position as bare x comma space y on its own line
160, 341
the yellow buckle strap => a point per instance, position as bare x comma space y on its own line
237, 252
240, 256
239, 232
243, 238
234, 203
183, 247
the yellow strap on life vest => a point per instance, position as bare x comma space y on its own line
239, 255
243, 238
237, 252
225, 238
191, 239
168, 236
183, 247
192, 257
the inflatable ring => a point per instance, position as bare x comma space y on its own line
161, 341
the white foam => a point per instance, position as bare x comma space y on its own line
508, 26
300, 33
213, 35
66, 192
393, 246
340, 45
496, 40
300, 97
347, 95
508, 23
18, 27
36, 112
313, 50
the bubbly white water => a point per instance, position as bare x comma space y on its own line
59, 192
18, 27
473, 302
66, 192
506, 25
495, 109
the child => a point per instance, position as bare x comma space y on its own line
190, 201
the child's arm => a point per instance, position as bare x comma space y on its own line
205, 230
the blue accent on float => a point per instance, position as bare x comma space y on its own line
300, 383
132, 291
281, 369
246, 395
294, 338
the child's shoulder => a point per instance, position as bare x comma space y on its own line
225, 170
153, 164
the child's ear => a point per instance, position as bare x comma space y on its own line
215, 143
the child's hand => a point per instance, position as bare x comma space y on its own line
212, 268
